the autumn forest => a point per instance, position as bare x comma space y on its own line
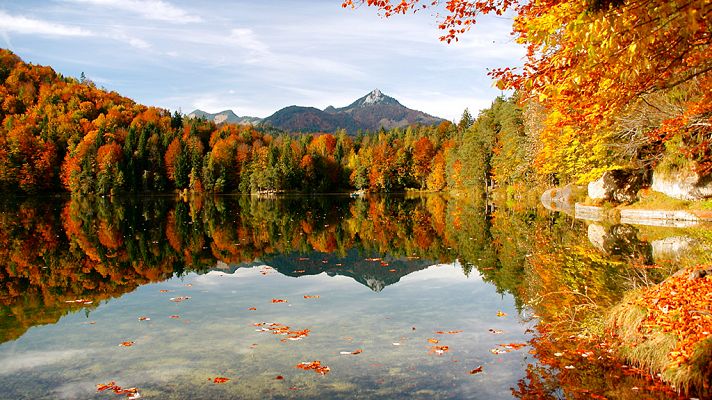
428, 243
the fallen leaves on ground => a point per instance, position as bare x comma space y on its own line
279, 329
220, 379
680, 306
314, 366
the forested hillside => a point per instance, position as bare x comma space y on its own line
61, 133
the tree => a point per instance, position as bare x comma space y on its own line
591, 63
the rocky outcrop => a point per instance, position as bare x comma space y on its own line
620, 186
683, 185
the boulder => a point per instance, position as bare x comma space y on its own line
620, 186
671, 248
563, 199
620, 240
683, 185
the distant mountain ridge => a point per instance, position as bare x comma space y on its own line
224, 116
371, 112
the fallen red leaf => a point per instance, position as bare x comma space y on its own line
252, 309
439, 350
126, 344
315, 366
279, 301
476, 370
433, 340
279, 377
220, 379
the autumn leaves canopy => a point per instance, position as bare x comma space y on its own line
618, 79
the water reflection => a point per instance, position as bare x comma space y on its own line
64, 260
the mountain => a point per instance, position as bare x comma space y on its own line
224, 116
371, 112
361, 267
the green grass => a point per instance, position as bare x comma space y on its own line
650, 200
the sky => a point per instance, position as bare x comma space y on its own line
256, 57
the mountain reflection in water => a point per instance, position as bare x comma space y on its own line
59, 257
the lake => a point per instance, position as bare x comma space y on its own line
421, 297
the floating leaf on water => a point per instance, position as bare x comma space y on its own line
496, 331
279, 301
174, 316
501, 314
126, 344
252, 309
476, 370
351, 353
439, 350
179, 299
433, 340
220, 379
314, 366
144, 318
100, 387
448, 332
165, 290
316, 296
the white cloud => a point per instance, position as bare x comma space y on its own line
35, 359
246, 38
24, 25
130, 40
150, 9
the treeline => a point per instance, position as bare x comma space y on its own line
60, 133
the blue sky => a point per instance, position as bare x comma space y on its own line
255, 57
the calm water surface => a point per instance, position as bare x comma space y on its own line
194, 284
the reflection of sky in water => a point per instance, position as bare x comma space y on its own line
215, 336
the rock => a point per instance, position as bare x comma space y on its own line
683, 185
562, 199
700, 273
619, 185
619, 240
671, 248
